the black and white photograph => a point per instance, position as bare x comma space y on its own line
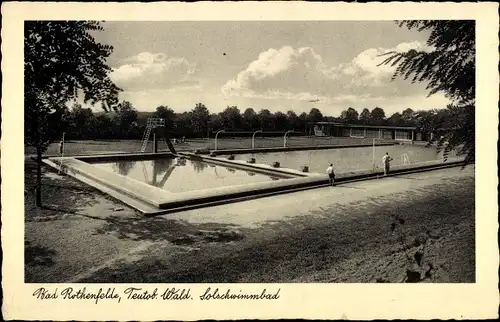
248, 151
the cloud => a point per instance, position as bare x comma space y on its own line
301, 74
282, 72
364, 69
153, 71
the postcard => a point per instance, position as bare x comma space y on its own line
249, 160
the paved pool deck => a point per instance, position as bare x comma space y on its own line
103, 241
251, 214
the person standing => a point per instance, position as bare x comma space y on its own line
386, 160
331, 174
61, 147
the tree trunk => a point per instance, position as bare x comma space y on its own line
38, 176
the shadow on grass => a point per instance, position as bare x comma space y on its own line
173, 231
38, 255
65, 211
59, 193
59, 199
278, 256
292, 249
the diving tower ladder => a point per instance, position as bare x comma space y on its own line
145, 139
151, 126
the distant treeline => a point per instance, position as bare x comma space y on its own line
128, 123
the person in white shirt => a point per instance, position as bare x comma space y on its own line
386, 160
331, 174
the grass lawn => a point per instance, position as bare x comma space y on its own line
83, 147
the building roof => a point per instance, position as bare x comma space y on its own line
368, 126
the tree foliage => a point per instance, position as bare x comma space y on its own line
250, 120
349, 116
126, 119
183, 124
80, 120
447, 67
62, 61
396, 119
365, 116
408, 115
294, 121
128, 123
166, 113
315, 115
377, 116
199, 118
281, 121
266, 119
231, 118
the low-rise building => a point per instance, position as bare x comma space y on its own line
400, 133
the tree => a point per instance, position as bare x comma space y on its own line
126, 118
61, 61
428, 122
350, 115
183, 124
448, 67
105, 126
266, 119
281, 121
215, 122
166, 113
396, 119
303, 122
436, 123
199, 119
409, 117
250, 121
231, 118
293, 120
79, 120
377, 116
365, 116
315, 115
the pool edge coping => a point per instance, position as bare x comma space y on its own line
122, 185
199, 198
294, 148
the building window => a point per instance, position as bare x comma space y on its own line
403, 135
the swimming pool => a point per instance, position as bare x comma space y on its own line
346, 159
181, 175
154, 183
158, 183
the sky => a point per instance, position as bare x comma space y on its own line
278, 66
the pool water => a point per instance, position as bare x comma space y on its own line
346, 159
177, 176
